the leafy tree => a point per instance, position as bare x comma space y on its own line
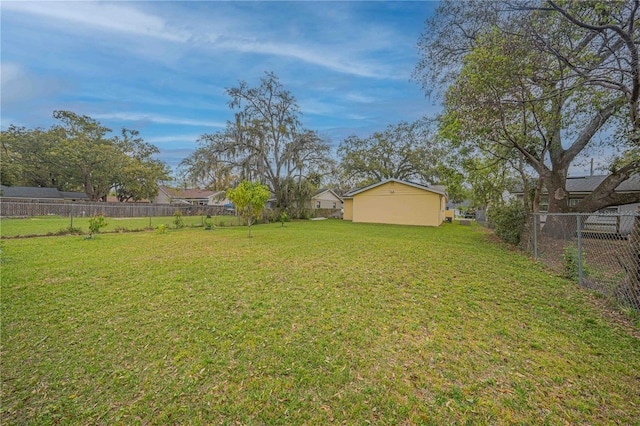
25, 158
78, 154
139, 174
249, 199
402, 151
265, 142
87, 154
527, 85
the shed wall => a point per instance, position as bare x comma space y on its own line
400, 204
348, 209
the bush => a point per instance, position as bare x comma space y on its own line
570, 264
508, 221
178, 221
161, 229
208, 224
96, 223
284, 217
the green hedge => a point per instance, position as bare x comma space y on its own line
508, 221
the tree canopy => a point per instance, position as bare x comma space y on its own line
250, 199
265, 142
539, 86
402, 151
77, 154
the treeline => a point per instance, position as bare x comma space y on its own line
77, 155
266, 142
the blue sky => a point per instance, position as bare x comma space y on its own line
162, 67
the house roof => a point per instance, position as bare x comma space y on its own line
29, 192
587, 184
322, 191
353, 192
590, 183
187, 194
74, 195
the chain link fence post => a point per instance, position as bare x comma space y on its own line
579, 236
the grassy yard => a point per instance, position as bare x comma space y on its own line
314, 323
49, 225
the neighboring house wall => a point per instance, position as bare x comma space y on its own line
162, 197
218, 199
397, 203
196, 197
326, 200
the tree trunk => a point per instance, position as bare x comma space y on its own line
561, 227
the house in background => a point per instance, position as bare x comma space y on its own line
326, 199
580, 186
44, 194
195, 197
395, 201
608, 220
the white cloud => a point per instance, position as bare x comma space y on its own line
360, 98
159, 119
173, 138
106, 16
229, 34
19, 86
310, 54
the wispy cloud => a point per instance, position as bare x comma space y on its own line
125, 19
19, 87
105, 16
159, 119
173, 138
310, 54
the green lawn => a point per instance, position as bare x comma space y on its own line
49, 225
314, 323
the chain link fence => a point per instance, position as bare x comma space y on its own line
599, 251
50, 217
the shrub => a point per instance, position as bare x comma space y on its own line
96, 223
284, 217
161, 229
570, 264
69, 230
508, 221
208, 223
178, 221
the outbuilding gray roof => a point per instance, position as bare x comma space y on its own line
590, 183
29, 192
587, 184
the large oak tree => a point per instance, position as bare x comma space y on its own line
79, 155
544, 82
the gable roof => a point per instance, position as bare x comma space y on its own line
29, 192
322, 191
187, 194
590, 183
353, 192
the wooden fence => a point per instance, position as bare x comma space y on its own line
29, 208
